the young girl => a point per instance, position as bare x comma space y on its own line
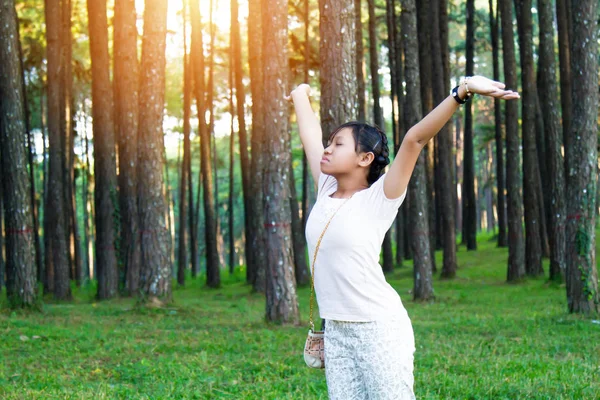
369, 342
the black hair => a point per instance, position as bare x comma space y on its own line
369, 138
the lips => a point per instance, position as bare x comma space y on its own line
324, 160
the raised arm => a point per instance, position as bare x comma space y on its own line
310, 129
398, 176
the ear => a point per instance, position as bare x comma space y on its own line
365, 159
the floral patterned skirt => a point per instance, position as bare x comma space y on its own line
369, 360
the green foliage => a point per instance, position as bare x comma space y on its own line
480, 339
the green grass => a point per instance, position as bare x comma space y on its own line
480, 339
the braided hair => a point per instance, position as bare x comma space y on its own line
369, 138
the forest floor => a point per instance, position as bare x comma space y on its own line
480, 339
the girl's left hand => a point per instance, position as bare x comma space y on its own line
487, 87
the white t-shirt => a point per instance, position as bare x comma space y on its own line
349, 282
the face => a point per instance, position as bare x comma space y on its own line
340, 156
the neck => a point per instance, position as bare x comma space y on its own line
348, 185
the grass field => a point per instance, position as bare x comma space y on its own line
480, 339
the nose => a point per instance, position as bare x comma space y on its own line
328, 149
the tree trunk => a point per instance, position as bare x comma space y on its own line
125, 88
500, 181
55, 224
564, 55
282, 303
468, 196
298, 239
21, 286
243, 136
230, 206
388, 256
305, 175
155, 275
104, 151
554, 159
338, 67
419, 220
425, 60
256, 266
31, 164
213, 275
401, 225
185, 182
66, 124
360, 76
533, 250
84, 201
445, 163
582, 275
516, 248
2, 263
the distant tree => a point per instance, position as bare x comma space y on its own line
468, 189
439, 45
419, 220
531, 173
500, 169
213, 276
126, 88
55, 223
256, 265
554, 159
516, 245
185, 174
563, 22
104, 151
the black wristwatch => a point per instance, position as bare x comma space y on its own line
457, 97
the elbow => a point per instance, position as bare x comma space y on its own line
412, 138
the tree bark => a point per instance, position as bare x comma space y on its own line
155, 277
445, 163
21, 285
213, 275
243, 135
2, 262
185, 182
582, 175
425, 72
419, 220
55, 224
564, 55
388, 256
282, 303
360, 76
125, 88
516, 248
531, 184
339, 97
500, 180
230, 205
554, 159
256, 267
468, 196
104, 151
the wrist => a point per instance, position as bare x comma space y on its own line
462, 92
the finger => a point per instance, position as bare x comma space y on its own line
498, 84
511, 96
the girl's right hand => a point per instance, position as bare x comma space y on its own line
302, 88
